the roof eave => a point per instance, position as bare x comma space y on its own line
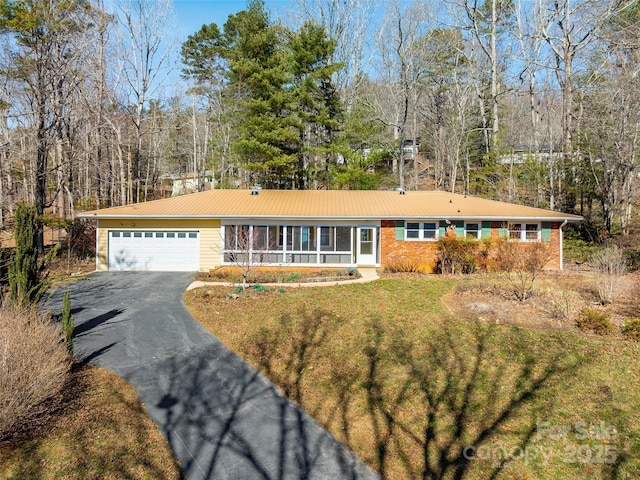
572, 219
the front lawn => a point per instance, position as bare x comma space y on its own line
416, 392
99, 430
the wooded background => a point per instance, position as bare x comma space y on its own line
535, 102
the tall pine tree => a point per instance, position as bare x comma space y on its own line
280, 83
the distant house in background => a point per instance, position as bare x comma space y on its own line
308, 228
410, 150
519, 155
186, 183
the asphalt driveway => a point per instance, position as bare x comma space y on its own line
222, 418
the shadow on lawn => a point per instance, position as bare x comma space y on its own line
461, 401
123, 450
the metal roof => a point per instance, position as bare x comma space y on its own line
329, 204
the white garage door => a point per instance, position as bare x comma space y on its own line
169, 251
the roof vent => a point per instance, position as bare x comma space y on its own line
450, 201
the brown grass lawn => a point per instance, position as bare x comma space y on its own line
418, 392
98, 431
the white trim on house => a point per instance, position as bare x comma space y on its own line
475, 233
525, 233
426, 231
307, 234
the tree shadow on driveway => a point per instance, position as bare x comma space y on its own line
225, 420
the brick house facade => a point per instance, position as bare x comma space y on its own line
394, 247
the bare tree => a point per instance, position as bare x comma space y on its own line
349, 23
47, 65
250, 246
146, 56
401, 70
569, 28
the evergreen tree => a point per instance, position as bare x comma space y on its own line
259, 75
280, 82
25, 283
317, 101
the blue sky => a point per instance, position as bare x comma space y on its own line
192, 14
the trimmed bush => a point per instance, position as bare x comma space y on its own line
457, 255
33, 364
593, 321
407, 266
631, 329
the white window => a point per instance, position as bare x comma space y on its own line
412, 231
525, 232
421, 231
473, 230
429, 230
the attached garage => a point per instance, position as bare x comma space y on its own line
171, 251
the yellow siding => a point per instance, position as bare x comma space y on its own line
210, 237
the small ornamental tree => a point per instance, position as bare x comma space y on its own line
610, 267
67, 323
25, 284
523, 262
248, 247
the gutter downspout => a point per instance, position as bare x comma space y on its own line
562, 243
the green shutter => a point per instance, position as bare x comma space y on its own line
460, 228
443, 228
504, 229
399, 229
486, 229
546, 231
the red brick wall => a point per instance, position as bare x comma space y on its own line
392, 250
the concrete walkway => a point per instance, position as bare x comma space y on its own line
222, 418
366, 275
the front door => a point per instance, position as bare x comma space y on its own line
366, 246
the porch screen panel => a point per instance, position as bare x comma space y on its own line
260, 237
343, 239
230, 237
327, 239
338, 240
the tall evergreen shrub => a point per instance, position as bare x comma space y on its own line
25, 285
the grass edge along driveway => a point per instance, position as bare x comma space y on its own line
415, 392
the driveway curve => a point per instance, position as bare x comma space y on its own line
222, 418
